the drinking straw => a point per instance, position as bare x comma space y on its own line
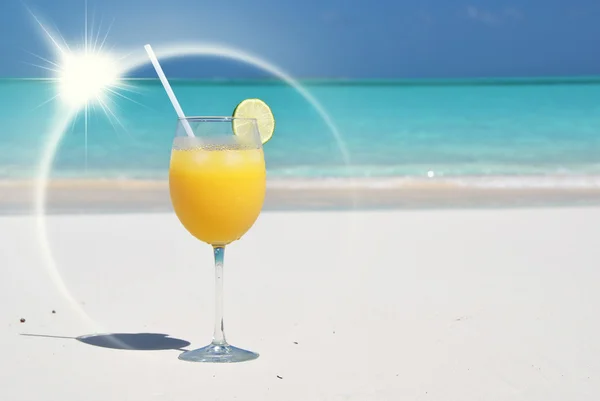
165, 83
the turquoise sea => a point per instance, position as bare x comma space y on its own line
508, 132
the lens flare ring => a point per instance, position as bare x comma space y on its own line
57, 132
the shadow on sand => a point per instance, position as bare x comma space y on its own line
127, 341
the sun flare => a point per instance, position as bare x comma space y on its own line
86, 74
86, 77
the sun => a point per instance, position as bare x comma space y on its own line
86, 74
86, 77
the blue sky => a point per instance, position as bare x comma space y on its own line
330, 38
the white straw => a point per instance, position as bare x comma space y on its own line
163, 79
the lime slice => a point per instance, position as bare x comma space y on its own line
259, 110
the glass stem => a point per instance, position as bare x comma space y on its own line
219, 333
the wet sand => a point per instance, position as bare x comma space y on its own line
105, 196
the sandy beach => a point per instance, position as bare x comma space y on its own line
429, 229
357, 305
125, 196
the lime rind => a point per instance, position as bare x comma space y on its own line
258, 110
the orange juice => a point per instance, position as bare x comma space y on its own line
217, 193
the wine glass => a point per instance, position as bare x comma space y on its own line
217, 182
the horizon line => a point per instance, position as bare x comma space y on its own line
522, 80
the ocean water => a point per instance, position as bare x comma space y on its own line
497, 132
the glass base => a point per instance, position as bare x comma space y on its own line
218, 354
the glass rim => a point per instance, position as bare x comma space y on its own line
212, 119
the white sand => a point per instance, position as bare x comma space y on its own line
408, 305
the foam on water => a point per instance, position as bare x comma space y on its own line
489, 182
